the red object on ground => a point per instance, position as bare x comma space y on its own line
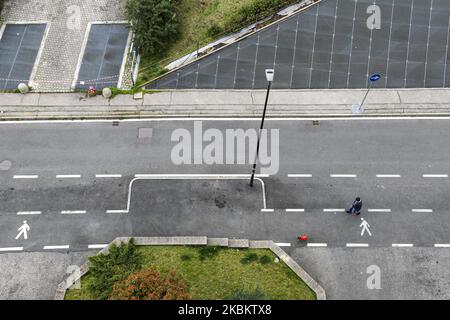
303, 237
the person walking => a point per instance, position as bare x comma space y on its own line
356, 207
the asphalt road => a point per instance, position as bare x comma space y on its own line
71, 182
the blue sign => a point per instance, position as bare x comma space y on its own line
375, 77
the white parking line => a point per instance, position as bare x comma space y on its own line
28, 213
317, 244
283, 244
295, 210
68, 176
422, 210
343, 176
388, 176
379, 210
26, 177
108, 176
405, 245
442, 245
97, 246
11, 249
435, 175
299, 175
74, 212
55, 247
333, 210
267, 210
357, 245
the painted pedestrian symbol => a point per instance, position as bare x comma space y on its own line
23, 230
365, 227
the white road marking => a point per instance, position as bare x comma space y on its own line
283, 244
116, 211
28, 213
406, 245
343, 176
442, 245
26, 177
317, 245
388, 176
295, 210
108, 176
333, 210
73, 212
55, 247
267, 210
68, 176
357, 245
379, 210
97, 246
422, 210
435, 175
11, 249
300, 175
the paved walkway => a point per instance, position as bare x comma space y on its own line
323, 103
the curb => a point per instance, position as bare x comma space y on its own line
197, 241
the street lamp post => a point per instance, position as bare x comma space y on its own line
269, 76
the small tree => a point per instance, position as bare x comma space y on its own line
155, 23
148, 284
115, 266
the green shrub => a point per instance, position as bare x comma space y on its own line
107, 269
240, 294
214, 30
257, 10
208, 252
265, 259
249, 258
155, 23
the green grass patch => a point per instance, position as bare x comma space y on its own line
202, 22
218, 273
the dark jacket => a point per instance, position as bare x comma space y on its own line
357, 205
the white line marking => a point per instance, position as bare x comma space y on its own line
74, 212
300, 175
56, 247
26, 177
442, 245
267, 210
317, 245
357, 245
295, 210
191, 177
435, 175
68, 176
388, 176
333, 210
343, 175
28, 213
379, 210
283, 244
97, 246
116, 211
401, 245
11, 249
422, 210
108, 176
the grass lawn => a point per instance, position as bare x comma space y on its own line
214, 273
197, 16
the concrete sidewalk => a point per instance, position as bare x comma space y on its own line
223, 103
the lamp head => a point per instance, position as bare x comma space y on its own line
270, 74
